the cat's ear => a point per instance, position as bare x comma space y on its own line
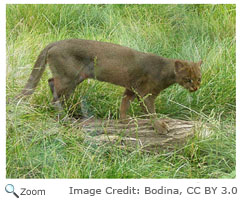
179, 66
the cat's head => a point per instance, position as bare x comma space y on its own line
188, 74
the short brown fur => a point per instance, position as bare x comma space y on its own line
141, 74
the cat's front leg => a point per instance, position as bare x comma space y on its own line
160, 126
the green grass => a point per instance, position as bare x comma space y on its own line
40, 147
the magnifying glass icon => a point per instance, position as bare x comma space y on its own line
9, 188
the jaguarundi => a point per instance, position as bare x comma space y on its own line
141, 74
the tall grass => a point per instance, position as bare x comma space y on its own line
40, 147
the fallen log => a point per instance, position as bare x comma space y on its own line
139, 133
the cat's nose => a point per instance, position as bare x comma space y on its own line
195, 88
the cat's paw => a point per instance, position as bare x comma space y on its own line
125, 121
161, 127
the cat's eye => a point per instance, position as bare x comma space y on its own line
188, 80
199, 80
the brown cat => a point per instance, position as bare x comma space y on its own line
142, 74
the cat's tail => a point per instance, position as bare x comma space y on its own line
37, 72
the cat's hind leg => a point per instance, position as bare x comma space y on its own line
61, 89
56, 101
